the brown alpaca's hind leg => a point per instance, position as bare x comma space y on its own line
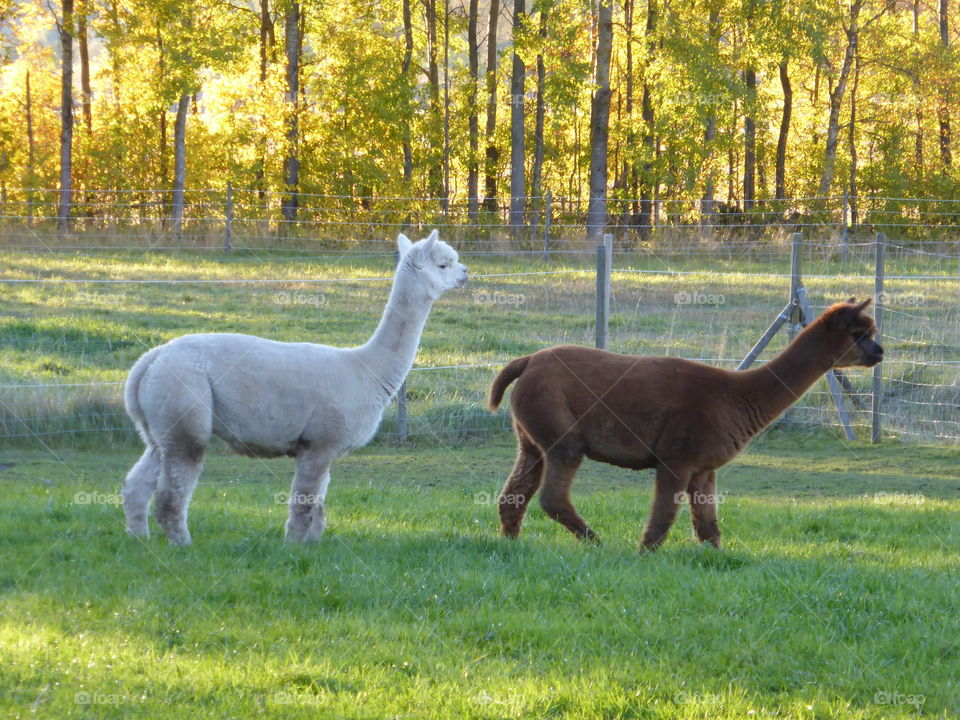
667, 493
521, 485
703, 506
561, 466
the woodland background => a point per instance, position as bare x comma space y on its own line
719, 106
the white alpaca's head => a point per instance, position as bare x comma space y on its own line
435, 264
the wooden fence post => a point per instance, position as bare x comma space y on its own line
880, 243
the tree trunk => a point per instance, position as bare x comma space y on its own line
445, 195
646, 192
599, 123
749, 140
918, 136
433, 82
629, 166
946, 156
31, 147
536, 183
492, 155
707, 208
66, 118
86, 92
781, 173
179, 162
836, 101
473, 121
266, 44
291, 169
405, 71
852, 139
518, 183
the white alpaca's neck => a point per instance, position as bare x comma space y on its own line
390, 353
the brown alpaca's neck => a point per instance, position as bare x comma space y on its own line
773, 387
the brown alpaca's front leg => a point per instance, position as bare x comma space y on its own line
703, 506
667, 493
561, 466
523, 482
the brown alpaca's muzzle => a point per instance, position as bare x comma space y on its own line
871, 352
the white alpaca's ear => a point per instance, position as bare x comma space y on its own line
431, 239
403, 244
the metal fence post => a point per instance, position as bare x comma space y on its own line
796, 246
228, 233
546, 227
843, 231
880, 243
604, 262
402, 392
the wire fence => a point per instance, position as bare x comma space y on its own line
77, 314
244, 218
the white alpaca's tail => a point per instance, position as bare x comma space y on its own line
131, 393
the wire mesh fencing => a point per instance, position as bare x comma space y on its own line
78, 314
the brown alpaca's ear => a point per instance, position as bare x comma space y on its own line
848, 315
852, 300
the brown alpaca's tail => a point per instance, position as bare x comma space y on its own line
511, 372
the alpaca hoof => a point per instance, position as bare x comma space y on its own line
140, 532
589, 537
179, 540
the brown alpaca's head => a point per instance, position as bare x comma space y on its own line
850, 334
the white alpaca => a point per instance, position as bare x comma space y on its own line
267, 398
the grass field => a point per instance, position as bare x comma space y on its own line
93, 314
834, 596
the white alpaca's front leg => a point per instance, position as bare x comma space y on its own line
307, 519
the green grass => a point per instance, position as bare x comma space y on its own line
834, 595
68, 334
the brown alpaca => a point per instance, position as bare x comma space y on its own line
683, 418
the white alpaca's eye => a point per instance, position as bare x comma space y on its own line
444, 266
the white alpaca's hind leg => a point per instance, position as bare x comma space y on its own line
307, 518
138, 488
181, 470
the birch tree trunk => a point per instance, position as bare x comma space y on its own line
179, 162
599, 123
473, 123
66, 118
517, 151
291, 165
836, 100
492, 155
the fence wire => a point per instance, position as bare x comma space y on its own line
80, 310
